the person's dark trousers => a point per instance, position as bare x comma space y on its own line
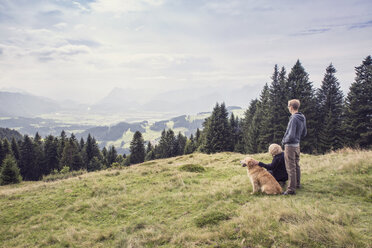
292, 164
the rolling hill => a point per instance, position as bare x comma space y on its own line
195, 200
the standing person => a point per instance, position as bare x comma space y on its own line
296, 129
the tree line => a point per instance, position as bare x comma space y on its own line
333, 122
33, 158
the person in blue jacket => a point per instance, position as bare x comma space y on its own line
277, 165
296, 130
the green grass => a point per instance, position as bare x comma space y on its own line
158, 204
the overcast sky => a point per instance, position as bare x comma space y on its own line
82, 49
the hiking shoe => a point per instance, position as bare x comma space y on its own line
287, 192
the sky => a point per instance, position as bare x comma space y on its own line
81, 50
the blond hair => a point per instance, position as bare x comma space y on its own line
294, 103
275, 149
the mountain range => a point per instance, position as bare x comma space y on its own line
29, 114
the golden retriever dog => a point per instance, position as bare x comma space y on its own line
261, 179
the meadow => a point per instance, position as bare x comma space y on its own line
195, 200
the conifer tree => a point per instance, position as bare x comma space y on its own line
250, 135
358, 109
104, 156
94, 164
137, 148
2, 155
261, 124
150, 152
71, 156
112, 156
217, 131
7, 149
234, 127
330, 101
189, 147
15, 150
88, 150
61, 144
278, 101
180, 144
28, 163
51, 154
9, 172
301, 88
39, 153
81, 144
239, 144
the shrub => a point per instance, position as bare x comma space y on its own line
9, 172
192, 168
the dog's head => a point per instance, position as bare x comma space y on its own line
248, 162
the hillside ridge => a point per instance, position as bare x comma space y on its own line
159, 204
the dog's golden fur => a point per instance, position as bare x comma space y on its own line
261, 179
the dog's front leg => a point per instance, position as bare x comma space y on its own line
255, 186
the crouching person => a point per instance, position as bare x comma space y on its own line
277, 166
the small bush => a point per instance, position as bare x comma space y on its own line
192, 168
9, 172
212, 218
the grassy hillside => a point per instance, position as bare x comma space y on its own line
195, 200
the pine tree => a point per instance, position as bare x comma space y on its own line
278, 102
111, 156
51, 154
61, 144
358, 109
9, 172
217, 131
189, 147
197, 138
38, 149
7, 149
301, 88
94, 164
88, 150
150, 152
28, 163
104, 156
15, 149
137, 149
81, 144
180, 144
239, 144
2, 154
330, 101
250, 135
262, 122
71, 156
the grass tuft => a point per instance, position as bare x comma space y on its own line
192, 168
211, 218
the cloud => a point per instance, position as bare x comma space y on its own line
312, 31
62, 52
361, 25
120, 7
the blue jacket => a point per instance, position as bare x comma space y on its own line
296, 129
